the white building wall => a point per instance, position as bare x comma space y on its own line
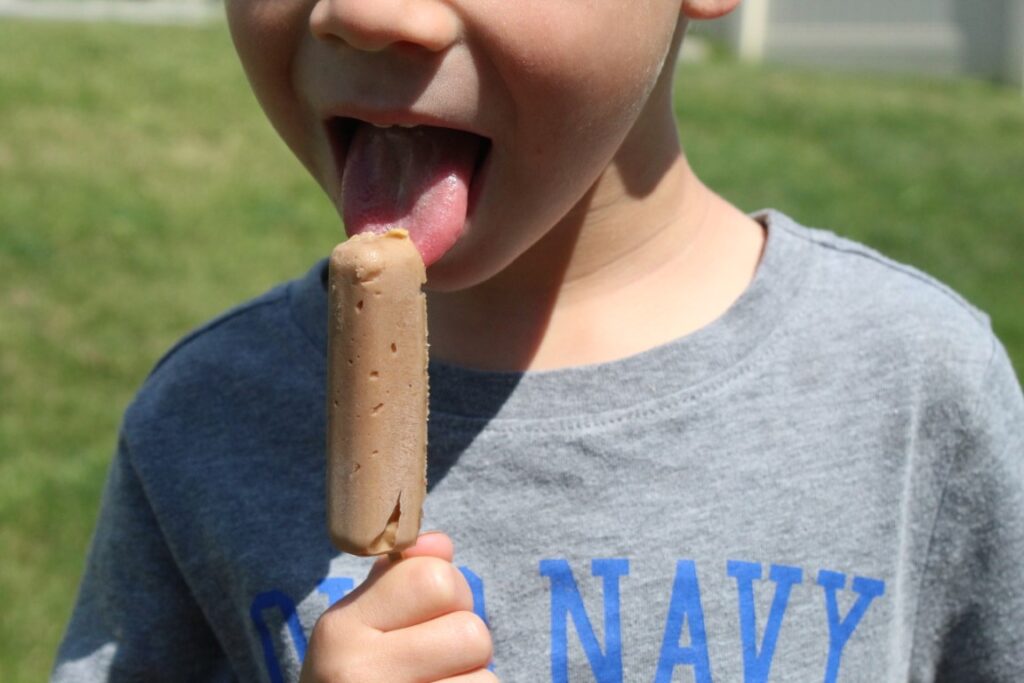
978, 37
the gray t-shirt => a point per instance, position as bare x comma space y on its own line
825, 484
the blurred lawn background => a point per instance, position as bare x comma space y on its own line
141, 192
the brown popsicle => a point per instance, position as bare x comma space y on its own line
376, 394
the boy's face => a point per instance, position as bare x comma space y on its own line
546, 92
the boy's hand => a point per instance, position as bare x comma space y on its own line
411, 621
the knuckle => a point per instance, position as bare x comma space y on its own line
434, 578
340, 650
339, 671
473, 634
324, 629
352, 669
341, 664
332, 625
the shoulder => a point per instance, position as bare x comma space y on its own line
888, 333
846, 268
868, 303
225, 369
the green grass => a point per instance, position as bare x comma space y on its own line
929, 172
141, 192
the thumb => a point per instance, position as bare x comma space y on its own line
429, 544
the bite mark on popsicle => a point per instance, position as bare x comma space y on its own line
385, 543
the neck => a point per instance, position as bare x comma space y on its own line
649, 255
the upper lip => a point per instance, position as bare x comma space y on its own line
398, 117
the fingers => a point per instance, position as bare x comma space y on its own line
478, 676
410, 621
449, 645
413, 591
429, 544
433, 544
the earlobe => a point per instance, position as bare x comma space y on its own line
708, 9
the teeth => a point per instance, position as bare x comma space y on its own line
392, 125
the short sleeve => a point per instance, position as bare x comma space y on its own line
135, 618
970, 616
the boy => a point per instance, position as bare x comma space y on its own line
673, 442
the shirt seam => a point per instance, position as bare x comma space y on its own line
973, 409
180, 566
738, 369
320, 361
843, 246
212, 325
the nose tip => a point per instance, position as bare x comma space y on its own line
375, 25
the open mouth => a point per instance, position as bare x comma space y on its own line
423, 178
341, 128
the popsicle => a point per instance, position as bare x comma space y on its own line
376, 394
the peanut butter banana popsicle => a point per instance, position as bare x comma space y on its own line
376, 394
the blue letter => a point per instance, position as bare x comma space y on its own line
280, 601
476, 587
566, 600
756, 665
335, 588
839, 632
684, 606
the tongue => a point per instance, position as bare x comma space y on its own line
412, 178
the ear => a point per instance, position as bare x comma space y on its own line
708, 9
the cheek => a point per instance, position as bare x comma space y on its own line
261, 30
266, 34
585, 86
600, 46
